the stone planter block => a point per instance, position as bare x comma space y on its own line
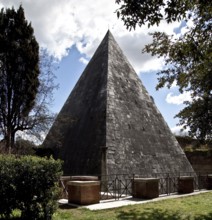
147, 188
185, 184
84, 178
83, 192
209, 182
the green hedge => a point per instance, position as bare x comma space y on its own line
29, 184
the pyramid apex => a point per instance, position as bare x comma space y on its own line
109, 34
108, 31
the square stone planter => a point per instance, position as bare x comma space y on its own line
146, 188
83, 192
185, 184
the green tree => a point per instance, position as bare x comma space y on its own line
23, 92
187, 57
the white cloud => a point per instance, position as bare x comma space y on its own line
174, 84
178, 130
83, 60
178, 99
189, 24
36, 139
58, 25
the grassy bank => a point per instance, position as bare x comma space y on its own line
198, 207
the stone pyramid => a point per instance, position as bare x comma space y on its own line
110, 124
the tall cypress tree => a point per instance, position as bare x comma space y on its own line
19, 73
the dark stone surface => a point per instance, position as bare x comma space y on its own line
146, 188
201, 161
185, 184
109, 123
84, 192
209, 182
81, 124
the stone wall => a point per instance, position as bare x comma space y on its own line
201, 161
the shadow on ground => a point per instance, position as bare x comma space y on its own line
66, 206
157, 214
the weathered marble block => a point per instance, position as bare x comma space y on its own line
185, 184
83, 192
147, 188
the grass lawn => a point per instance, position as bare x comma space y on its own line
198, 207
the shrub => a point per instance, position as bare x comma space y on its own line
7, 187
29, 184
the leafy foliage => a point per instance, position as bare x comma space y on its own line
25, 80
7, 189
187, 57
151, 12
29, 184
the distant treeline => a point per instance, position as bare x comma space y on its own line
186, 141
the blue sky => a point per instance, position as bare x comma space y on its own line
71, 31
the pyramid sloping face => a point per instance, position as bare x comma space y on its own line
137, 137
78, 134
109, 123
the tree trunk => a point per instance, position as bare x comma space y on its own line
10, 140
